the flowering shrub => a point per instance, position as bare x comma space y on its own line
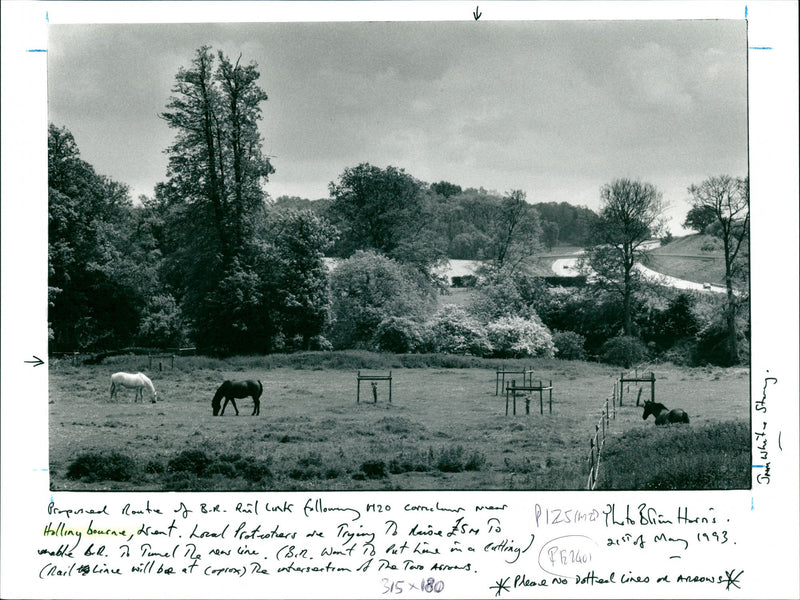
398, 335
515, 337
452, 330
368, 288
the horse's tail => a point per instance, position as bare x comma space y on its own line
260, 388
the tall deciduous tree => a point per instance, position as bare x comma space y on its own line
301, 239
384, 210
515, 231
630, 214
240, 146
216, 165
700, 217
728, 199
95, 289
214, 192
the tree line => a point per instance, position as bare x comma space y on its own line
211, 260
464, 222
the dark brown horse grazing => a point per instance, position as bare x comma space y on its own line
231, 390
663, 415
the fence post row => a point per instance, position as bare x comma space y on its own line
598, 440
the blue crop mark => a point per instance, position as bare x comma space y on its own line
760, 47
758, 466
745, 11
36, 50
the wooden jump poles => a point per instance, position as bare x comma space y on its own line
512, 388
500, 378
636, 379
373, 378
171, 358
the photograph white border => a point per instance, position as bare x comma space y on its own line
765, 519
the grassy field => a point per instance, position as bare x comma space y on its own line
445, 428
702, 457
691, 258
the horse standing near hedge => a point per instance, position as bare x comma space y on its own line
231, 390
663, 415
130, 380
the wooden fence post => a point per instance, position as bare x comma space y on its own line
514, 394
603, 423
652, 387
614, 404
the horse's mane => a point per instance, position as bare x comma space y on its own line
148, 383
221, 391
657, 405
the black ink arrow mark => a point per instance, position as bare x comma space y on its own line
36, 362
477, 14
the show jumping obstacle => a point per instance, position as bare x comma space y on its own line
512, 389
651, 379
374, 378
500, 378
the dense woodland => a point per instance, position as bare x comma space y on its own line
212, 261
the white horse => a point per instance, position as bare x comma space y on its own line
129, 380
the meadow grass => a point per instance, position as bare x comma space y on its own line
444, 430
686, 258
678, 457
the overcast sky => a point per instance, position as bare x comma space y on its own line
556, 108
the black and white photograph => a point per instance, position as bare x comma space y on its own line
399, 256
429, 299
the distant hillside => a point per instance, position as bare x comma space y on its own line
697, 257
699, 245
